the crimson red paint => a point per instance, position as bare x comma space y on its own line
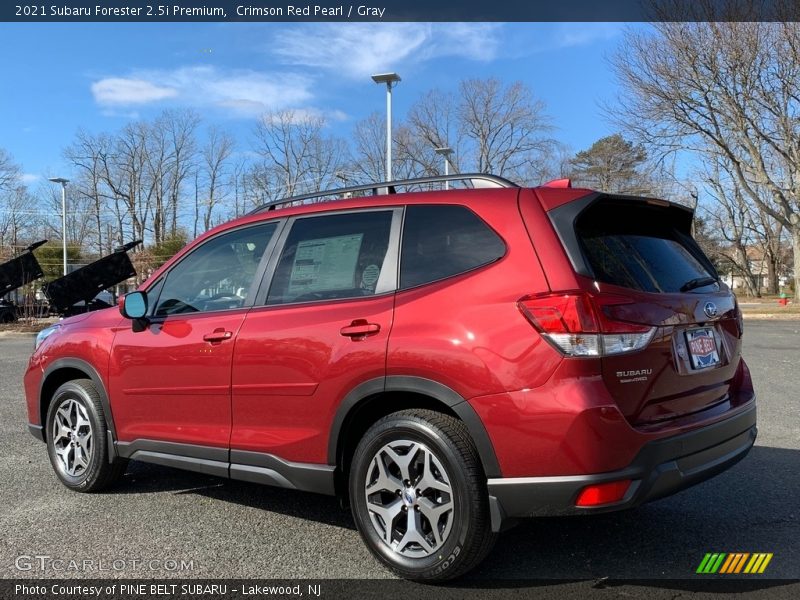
565, 336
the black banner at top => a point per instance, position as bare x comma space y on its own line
394, 10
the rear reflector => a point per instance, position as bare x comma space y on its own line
577, 324
603, 493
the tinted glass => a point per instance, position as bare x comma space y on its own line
639, 247
218, 274
330, 257
440, 241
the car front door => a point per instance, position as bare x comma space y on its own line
321, 329
170, 382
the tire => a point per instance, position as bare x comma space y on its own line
77, 439
434, 453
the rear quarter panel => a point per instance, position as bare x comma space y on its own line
466, 331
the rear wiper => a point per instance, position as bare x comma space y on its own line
697, 282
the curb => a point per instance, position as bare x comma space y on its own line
772, 316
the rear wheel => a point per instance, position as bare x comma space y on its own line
77, 440
418, 496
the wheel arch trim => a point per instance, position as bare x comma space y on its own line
90, 372
426, 387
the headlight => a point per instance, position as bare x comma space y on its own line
44, 334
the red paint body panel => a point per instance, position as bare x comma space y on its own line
554, 261
276, 384
292, 367
86, 337
572, 425
167, 383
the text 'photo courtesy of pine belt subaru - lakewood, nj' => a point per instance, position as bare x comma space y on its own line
446, 361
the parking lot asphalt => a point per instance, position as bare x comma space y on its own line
239, 530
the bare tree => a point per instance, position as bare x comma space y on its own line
505, 127
181, 127
490, 127
730, 218
434, 119
296, 154
16, 218
730, 86
15, 204
9, 171
369, 140
86, 154
214, 161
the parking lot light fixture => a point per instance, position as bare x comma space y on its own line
63, 183
445, 151
390, 79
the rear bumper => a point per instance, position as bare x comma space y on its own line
661, 468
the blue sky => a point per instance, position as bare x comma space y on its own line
59, 78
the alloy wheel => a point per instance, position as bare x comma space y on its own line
72, 438
409, 498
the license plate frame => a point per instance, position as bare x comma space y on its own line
701, 342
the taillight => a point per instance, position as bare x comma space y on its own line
577, 325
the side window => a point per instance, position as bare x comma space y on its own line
216, 275
444, 240
333, 256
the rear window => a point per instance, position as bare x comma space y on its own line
444, 240
640, 247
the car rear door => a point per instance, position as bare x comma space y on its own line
319, 329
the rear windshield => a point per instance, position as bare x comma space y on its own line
640, 247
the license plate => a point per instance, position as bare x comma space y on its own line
702, 348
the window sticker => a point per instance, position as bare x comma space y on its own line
369, 278
325, 264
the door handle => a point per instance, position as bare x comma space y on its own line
360, 329
218, 335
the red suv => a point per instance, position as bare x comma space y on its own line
445, 361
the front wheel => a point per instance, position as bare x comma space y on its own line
418, 496
77, 440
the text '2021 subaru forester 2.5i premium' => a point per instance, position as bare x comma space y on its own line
445, 361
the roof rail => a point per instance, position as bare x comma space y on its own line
477, 180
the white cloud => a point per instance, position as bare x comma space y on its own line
357, 50
300, 114
241, 92
588, 33
29, 178
116, 91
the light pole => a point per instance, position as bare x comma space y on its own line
445, 151
390, 79
63, 183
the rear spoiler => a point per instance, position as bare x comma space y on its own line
565, 216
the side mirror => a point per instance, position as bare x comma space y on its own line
134, 305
